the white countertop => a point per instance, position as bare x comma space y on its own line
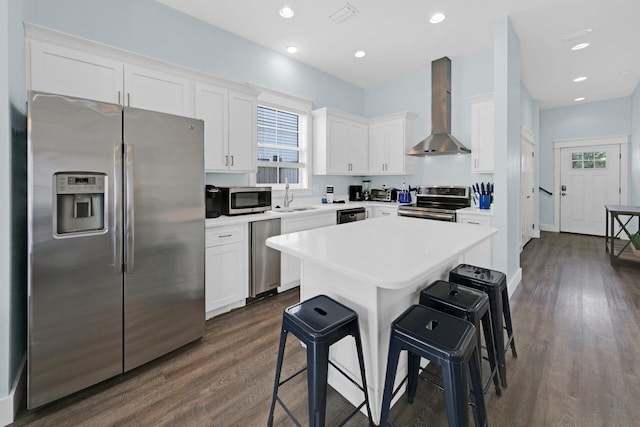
317, 209
391, 252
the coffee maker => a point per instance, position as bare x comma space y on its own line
355, 193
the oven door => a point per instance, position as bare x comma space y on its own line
428, 214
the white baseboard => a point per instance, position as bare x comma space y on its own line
549, 227
535, 234
514, 282
10, 404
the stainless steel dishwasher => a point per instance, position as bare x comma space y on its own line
265, 262
350, 215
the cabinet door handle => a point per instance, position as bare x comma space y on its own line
226, 160
473, 222
231, 160
118, 97
128, 99
224, 235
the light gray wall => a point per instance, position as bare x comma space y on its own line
634, 157
507, 97
594, 119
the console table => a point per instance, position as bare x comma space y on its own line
613, 213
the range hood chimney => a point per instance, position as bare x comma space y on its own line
440, 141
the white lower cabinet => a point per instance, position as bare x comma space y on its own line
380, 211
289, 265
226, 268
481, 255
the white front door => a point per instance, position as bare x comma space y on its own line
589, 179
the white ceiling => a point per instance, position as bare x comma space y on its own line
398, 38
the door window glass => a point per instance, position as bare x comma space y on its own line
589, 160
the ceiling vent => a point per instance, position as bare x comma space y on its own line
343, 13
576, 34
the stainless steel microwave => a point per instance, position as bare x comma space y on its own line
244, 200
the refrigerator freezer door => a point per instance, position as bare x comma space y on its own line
74, 280
164, 234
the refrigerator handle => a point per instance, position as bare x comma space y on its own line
116, 231
129, 209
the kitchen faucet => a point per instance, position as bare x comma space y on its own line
287, 199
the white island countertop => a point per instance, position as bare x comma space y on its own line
391, 252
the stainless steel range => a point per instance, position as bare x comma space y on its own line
437, 202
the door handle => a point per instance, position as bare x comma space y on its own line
116, 228
129, 209
564, 194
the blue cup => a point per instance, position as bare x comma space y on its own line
485, 201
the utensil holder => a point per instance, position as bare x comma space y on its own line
485, 201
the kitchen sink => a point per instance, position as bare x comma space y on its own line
300, 209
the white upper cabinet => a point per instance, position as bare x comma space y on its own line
67, 71
482, 133
155, 90
389, 139
230, 128
243, 132
57, 69
340, 143
212, 106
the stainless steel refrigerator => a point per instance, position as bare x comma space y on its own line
115, 240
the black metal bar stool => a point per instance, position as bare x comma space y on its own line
319, 322
447, 341
471, 305
494, 284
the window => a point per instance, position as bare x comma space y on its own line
589, 160
284, 147
281, 148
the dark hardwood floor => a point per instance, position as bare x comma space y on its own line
577, 330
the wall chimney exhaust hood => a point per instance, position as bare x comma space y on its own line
440, 141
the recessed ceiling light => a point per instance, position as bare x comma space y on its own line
292, 49
580, 79
580, 46
437, 18
360, 54
286, 12
582, 98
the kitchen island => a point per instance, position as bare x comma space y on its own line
376, 267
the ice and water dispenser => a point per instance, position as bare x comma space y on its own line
80, 203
